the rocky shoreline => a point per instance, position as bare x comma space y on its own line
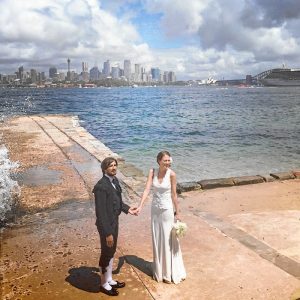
236, 181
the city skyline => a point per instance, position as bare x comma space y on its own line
195, 39
135, 73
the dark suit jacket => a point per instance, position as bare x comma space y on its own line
108, 205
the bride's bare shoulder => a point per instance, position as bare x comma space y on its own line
172, 173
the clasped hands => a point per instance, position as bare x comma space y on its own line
134, 211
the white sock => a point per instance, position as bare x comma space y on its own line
112, 282
105, 279
107, 286
109, 270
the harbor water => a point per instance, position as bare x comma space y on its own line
211, 132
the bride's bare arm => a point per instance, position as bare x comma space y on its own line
146, 191
174, 194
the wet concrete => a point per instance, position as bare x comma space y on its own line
39, 175
242, 242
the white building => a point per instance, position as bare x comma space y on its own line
127, 69
137, 73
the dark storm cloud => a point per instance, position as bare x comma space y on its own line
221, 28
267, 30
269, 13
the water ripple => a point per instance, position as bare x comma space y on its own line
211, 132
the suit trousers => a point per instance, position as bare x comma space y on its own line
107, 253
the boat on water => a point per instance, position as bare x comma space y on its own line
282, 77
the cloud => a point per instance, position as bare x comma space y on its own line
52, 31
269, 13
179, 17
193, 38
238, 31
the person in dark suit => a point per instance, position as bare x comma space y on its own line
108, 206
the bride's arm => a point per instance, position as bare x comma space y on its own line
146, 191
174, 195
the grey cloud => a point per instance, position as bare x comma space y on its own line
269, 13
221, 30
10, 60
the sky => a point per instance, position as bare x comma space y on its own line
194, 38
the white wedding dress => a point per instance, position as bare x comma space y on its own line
167, 258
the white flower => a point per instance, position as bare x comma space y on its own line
179, 228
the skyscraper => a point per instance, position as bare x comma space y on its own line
171, 77
166, 77
115, 72
33, 76
94, 73
52, 72
21, 73
127, 69
106, 68
137, 73
85, 72
155, 72
69, 72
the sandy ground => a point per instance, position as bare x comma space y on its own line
242, 242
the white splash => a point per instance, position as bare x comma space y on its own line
9, 188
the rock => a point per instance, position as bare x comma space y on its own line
283, 175
296, 173
130, 170
242, 180
187, 186
216, 183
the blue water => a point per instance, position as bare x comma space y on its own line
211, 132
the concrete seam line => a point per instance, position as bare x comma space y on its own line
79, 144
62, 151
260, 248
139, 277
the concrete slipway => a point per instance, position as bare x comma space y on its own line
243, 242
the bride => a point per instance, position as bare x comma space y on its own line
168, 264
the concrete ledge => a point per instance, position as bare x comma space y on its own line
267, 178
215, 183
187, 186
283, 175
235, 181
247, 180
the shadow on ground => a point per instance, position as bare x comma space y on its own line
135, 261
85, 278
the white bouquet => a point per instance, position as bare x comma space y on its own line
179, 228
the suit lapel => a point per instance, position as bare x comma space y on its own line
108, 182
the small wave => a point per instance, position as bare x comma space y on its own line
9, 188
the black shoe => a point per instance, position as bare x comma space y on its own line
118, 285
112, 292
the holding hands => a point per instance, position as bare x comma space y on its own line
133, 211
138, 210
